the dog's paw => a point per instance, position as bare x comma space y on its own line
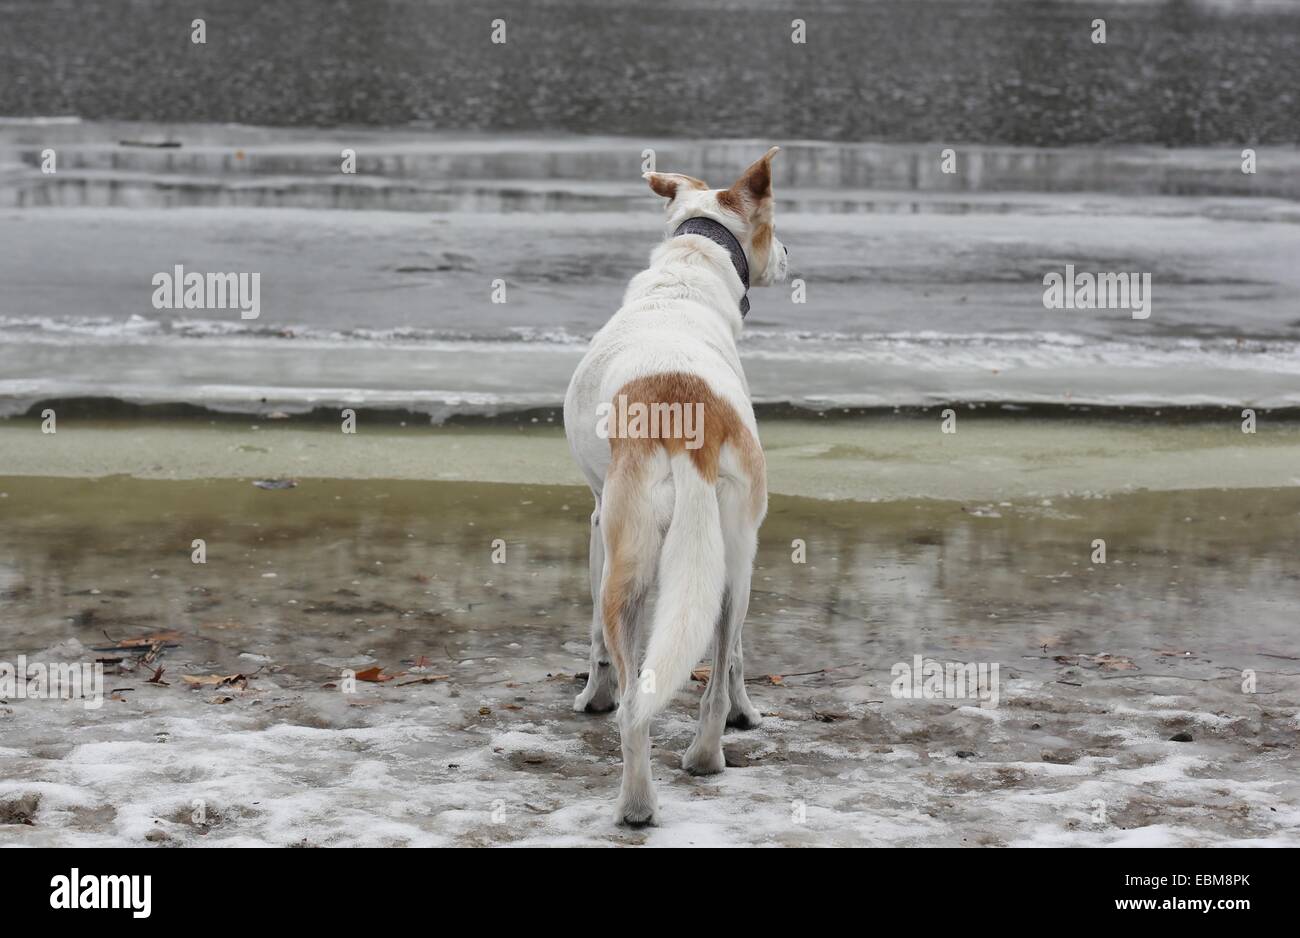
640, 811
591, 702
701, 761
744, 717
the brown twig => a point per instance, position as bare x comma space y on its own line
767, 677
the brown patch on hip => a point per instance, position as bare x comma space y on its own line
718, 425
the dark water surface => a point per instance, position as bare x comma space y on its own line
1212, 570
1177, 73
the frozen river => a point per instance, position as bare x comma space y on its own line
379, 288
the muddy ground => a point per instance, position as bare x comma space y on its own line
1121, 715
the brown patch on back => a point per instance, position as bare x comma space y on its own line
718, 425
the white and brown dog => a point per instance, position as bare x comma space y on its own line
659, 419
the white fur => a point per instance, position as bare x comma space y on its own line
698, 540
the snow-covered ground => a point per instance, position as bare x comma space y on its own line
496, 757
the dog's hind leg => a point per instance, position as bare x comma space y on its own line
637, 804
601, 693
632, 540
704, 755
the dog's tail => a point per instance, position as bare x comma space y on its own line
692, 577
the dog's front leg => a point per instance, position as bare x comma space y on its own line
743, 714
601, 693
637, 804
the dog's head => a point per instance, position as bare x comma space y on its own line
745, 208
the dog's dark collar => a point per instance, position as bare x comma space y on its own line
718, 234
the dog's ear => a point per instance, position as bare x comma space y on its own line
754, 187
667, 184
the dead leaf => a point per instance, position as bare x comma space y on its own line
148, 640
702, 673
824, 716
426, 679
214, 680
1112, 662
1101, 662
484, 711
154, 651
776, 680
221, 699
374, 675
